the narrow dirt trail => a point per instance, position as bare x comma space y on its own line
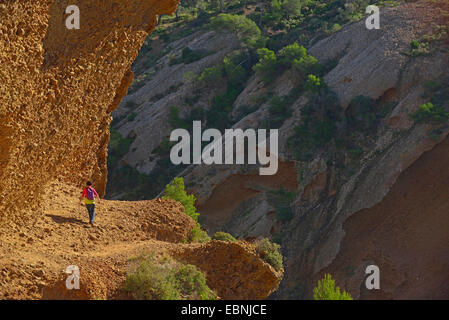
33, 257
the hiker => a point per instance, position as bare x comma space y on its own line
89, 194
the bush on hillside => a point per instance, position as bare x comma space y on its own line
224, 236
293, 56
270, 252
279, 111
175, 120
245, 29
314, 83
118, 147
291, 53
430, 113
176, 191
167, 279
211, 76
198, 235
281, 200
292, 7
266, 67
326, 290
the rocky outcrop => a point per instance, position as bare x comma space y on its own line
233, 269
58, 89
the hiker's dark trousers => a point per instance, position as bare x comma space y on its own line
91, 210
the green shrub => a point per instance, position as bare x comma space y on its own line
211, 76
165, 37
138, 83
270, 252
192, 100
320, 117
304, 64
245, 29
132, 116
352, 10
274, 14
198, 235
188, 56
418, 48
415, 44
176, 191
192, 283
222, 105
235, 74
167, 279
119, 146
292, 7
266, 67
293, 56
291, 53
164, 148
326, 290
175, 120
314, 83
362, 114
224, 236
281, 200
430, 113
431, 87
333, 29
152, 281
284, 213
279, 110
311, 135
277, 238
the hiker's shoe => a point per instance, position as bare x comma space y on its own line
92, 224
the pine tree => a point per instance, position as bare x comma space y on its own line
176, 191
326, 290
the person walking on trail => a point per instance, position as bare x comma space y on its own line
89, 195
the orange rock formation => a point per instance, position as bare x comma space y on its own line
58, 88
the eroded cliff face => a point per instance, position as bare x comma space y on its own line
375, 64
58, 88
406, 235
333, 197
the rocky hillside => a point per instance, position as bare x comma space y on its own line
354, 139
33, 257
58, 88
